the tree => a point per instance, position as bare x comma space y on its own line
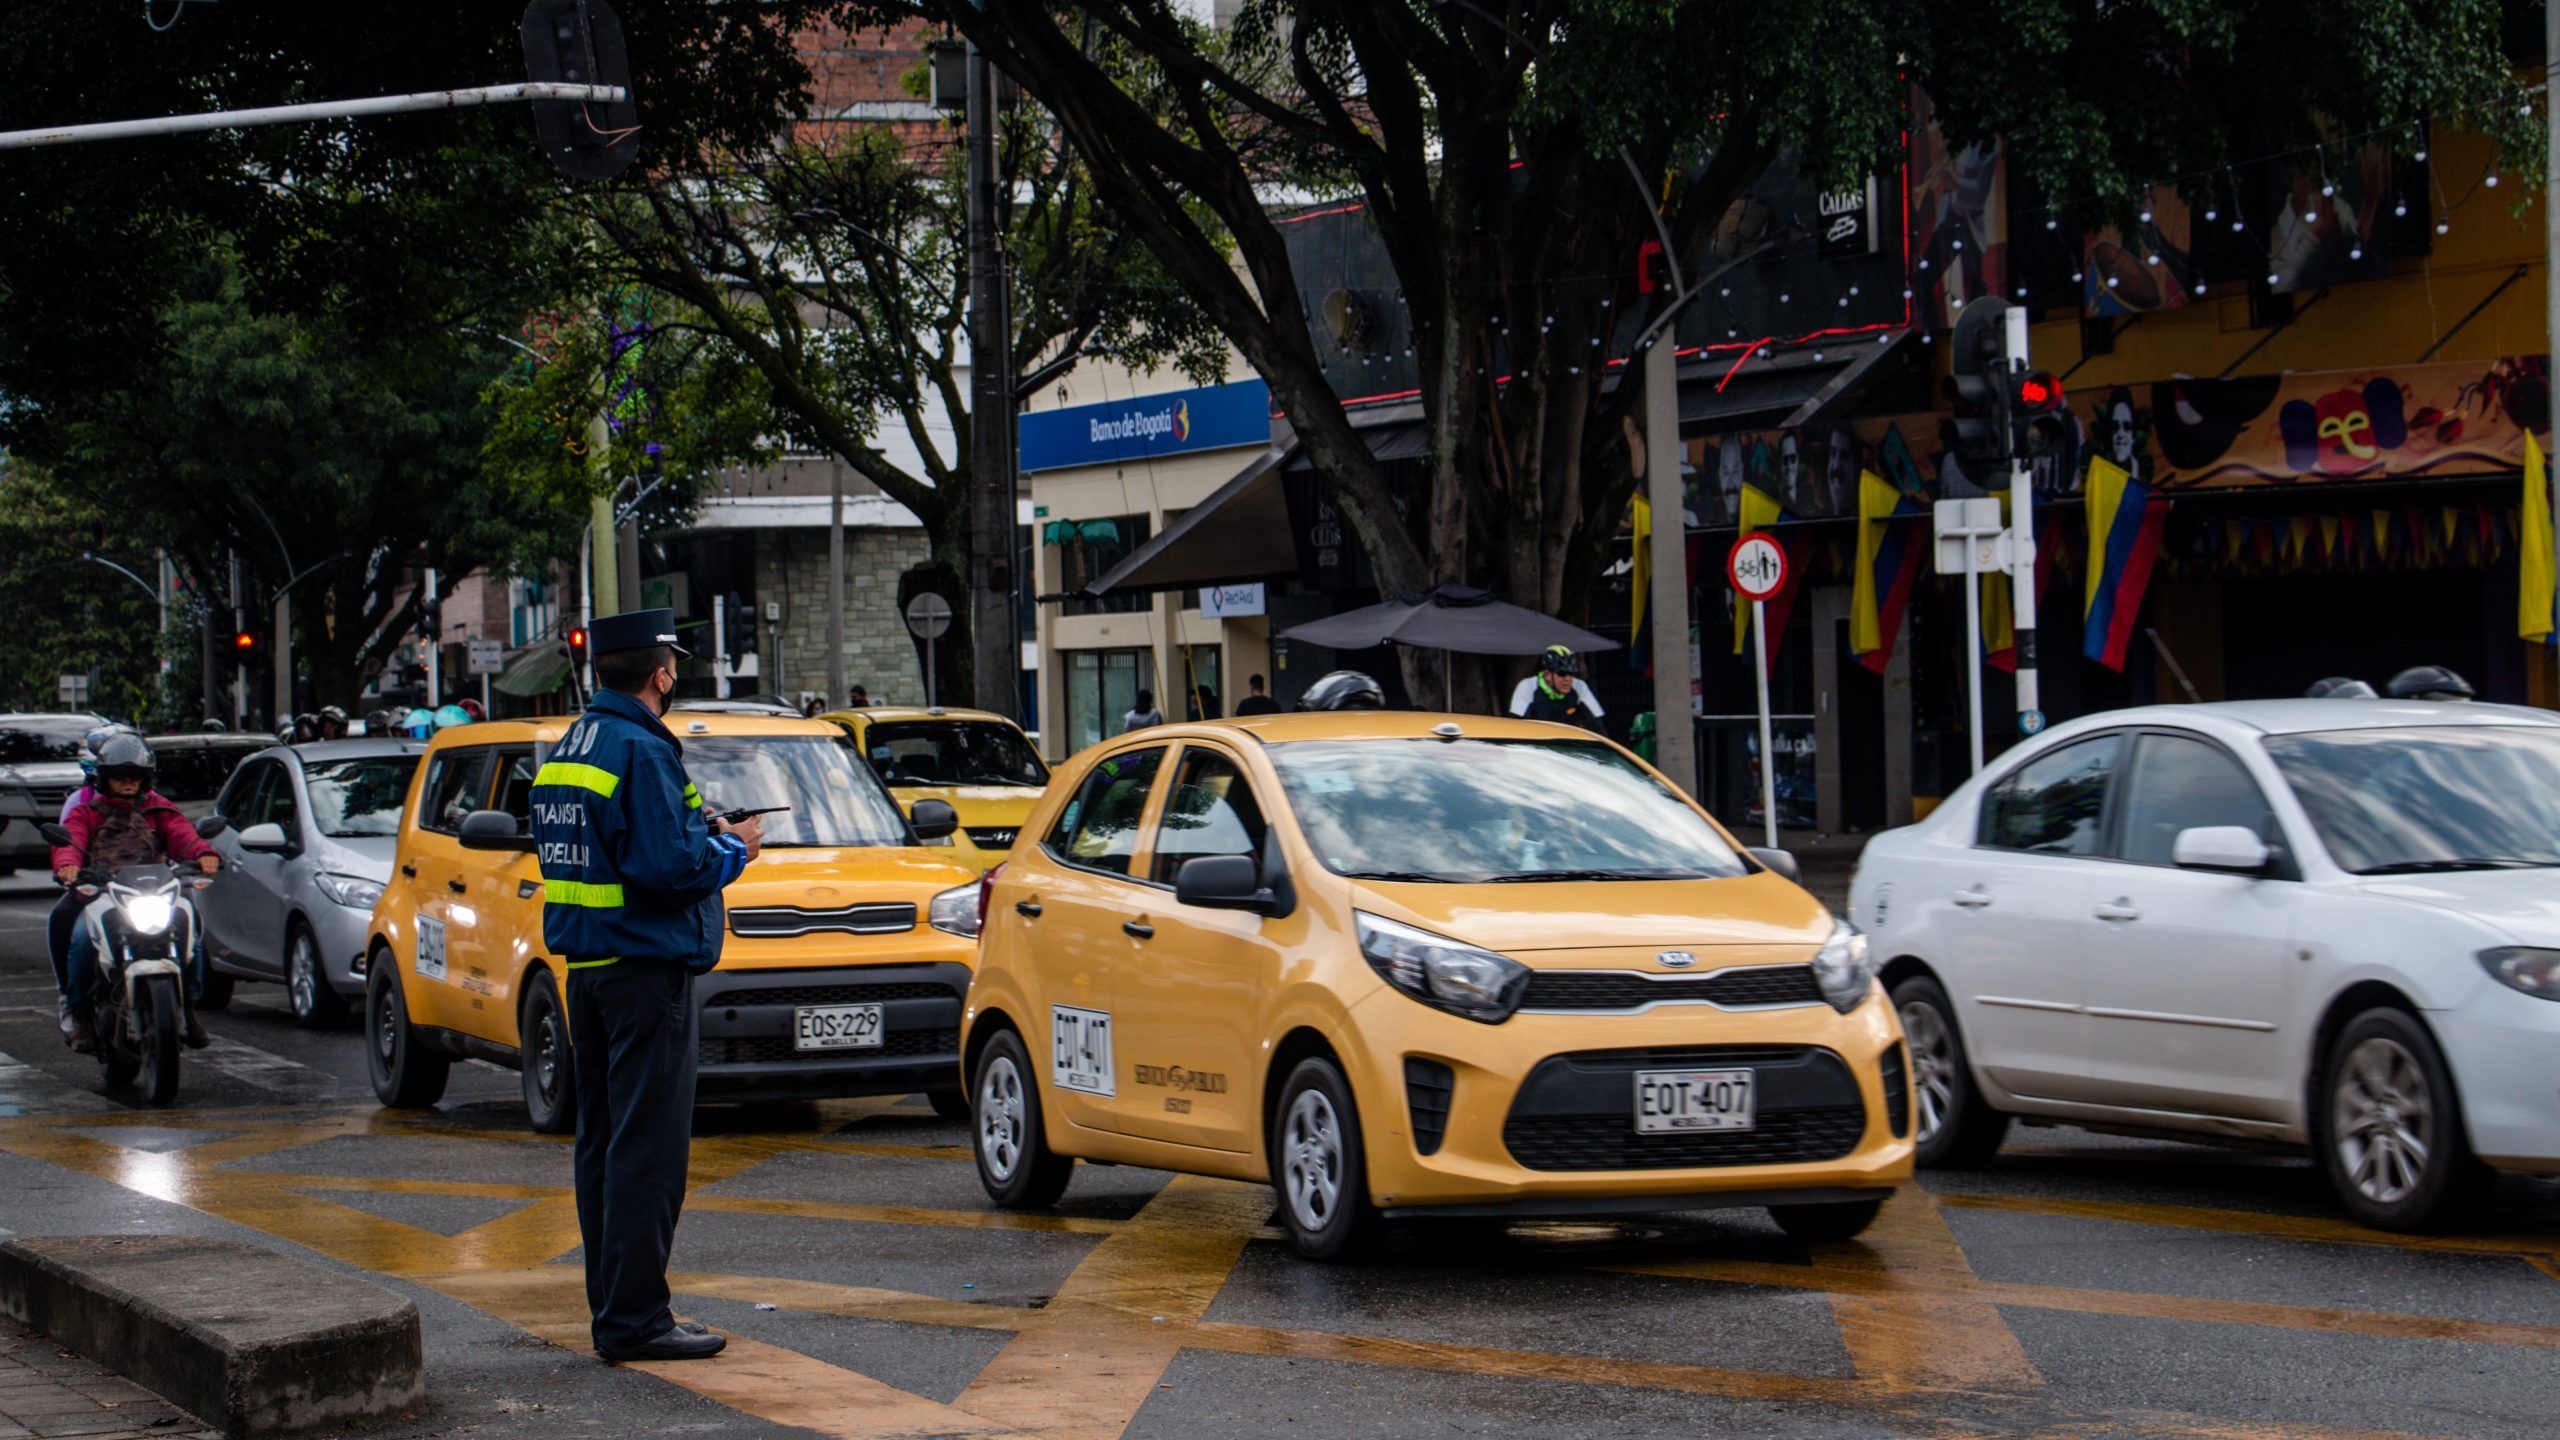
70, 616
833, 272
1514, 155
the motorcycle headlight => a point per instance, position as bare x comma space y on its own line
955, 911
1443, 973
2521, 967
1841, 968
351, 891
149, 914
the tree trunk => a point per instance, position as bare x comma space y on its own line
944, 573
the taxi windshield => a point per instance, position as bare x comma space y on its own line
833, 800
1494, 811
2407, 801
953, 752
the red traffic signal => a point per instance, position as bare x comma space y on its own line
578, 645
244, 641
2035, 392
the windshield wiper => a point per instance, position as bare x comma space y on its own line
2427, 867
1526, 876
1413, 876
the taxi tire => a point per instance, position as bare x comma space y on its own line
552, 1109
406, 1075
1351, 1222
1038, 1176
1971, 1131
1837, 1220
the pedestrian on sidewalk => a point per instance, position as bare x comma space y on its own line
1142, 714
1255, 702
632, 870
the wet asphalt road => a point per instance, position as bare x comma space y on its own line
2081, 1286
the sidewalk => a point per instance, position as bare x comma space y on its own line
1827, 862
46, 1390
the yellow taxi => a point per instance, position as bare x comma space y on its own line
850, 941
977, 762
1414, 965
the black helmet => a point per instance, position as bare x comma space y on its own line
2428, 682
125, 757
2340, 687
212, 726
1344, 690
1560, 660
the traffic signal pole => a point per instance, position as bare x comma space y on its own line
319, 110
2022, 557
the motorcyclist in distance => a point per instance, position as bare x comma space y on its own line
127, 823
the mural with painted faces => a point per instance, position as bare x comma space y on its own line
2345, 430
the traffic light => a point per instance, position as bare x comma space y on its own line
739, 626
2035, 409
1979, 378
244, 644
578, 646
579, 42
431, 618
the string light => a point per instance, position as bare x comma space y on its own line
2490, 179
2150, 259
2274, 279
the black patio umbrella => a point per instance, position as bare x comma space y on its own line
1448, 617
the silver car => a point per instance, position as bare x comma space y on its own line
311, 845
39, 768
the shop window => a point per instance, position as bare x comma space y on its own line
1102, 687
1087, 551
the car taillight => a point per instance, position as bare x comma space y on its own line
986, 894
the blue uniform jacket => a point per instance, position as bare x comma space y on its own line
630, 868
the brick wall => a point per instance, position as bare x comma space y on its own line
791, 567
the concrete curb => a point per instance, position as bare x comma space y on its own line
250, 1341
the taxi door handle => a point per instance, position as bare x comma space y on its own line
1028, 909
1137, 929
2120, 909
409, 870
1973, 899
457, 887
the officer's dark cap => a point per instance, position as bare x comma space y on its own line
634, 630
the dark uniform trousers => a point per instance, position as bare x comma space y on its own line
632, 1032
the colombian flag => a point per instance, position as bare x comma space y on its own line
2535, 619
2125, 520
1887, 568
1760, 510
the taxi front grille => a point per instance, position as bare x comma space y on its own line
1780, 1137
1577, 1111
773, 922
778, 1050
1634, 989
851, 994
993, 837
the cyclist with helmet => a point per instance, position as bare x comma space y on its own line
125, 823
1344, 690
1557, 693
2428, 682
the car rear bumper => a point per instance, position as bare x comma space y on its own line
747, 1024
1536, 1116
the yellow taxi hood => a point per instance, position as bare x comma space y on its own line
977, 804
824, 876
1759, 909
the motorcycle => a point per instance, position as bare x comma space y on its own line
143, 922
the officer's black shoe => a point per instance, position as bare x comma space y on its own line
675, 1344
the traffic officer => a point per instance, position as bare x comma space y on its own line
1556, 692
632, 870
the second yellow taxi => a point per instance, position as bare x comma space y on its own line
1417, 965
977, 762
849, 949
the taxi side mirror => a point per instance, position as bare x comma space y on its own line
493, 830
1224, 882
1779, 861
933, 819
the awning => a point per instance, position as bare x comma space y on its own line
1783, 391
1240, 532
535, 671
1398, 440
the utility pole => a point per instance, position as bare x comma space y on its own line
2022, 549
284, 655
602, 543
435, 642
992, 503
835, 584
1674, 733
2551, 224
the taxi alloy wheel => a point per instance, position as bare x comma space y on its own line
550, 1081
2392, 1138
406, 1075
1951, 1126
1318, 1164
1015, 1164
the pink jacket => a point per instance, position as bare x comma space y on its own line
175, 832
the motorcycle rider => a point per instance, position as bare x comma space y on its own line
126, 823
65, 919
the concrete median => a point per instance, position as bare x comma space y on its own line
251, 1341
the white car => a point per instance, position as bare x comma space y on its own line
2324, 923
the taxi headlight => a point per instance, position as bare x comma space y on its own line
149, 914
2521, 967
1441, 972
348, 890
1841, 968
955, 911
